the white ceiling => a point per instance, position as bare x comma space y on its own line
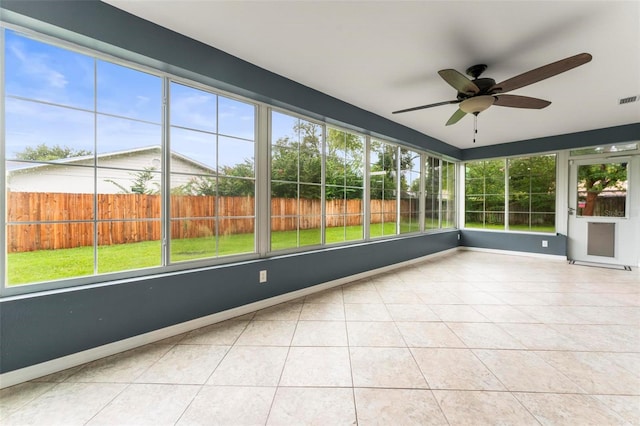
384, 55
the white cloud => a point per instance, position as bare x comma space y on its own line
34, 64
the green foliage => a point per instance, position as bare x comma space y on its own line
141, 183
532, 188
598, 177
43, 152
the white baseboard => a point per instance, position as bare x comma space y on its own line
516, 253
15, 377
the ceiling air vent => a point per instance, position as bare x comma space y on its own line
629, 99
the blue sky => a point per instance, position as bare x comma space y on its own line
52, 75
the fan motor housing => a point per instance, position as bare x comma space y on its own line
484, 84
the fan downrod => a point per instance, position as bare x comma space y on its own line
476, 70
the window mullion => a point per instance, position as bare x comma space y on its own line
366, 218
263, 181
165, 185
506, 194
398, 188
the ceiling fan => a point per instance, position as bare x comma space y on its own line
475, 96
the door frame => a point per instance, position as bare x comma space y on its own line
627, 228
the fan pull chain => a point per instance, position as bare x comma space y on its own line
475, 126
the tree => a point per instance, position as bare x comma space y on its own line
140, 183
43, 152
595, 178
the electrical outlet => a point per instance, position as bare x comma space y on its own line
263, 276
545, 243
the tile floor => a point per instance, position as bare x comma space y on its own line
470, 338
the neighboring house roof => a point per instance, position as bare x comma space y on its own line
26, 166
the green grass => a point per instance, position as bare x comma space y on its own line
48, 265
500, 227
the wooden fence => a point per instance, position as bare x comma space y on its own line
66, 220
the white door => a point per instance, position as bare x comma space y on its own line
603, 213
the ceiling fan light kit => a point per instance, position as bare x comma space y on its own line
477, 104
475, 96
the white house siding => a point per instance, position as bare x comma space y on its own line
78, 177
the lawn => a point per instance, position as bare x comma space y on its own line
500, 227
46, 265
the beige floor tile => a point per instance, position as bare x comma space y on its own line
484, 335
66, 404
458, 313
333, 295
250, 366
482, 408
455, 369
429, 334
385, 368
552, 314
15, 397
320, 333
322, 312
630, 361
229, 405
143, 404
595, 372
627, 406
397, 407
223, 333
124, 367
404, 297
568, 409
525, 371
374, 333
185, 364
417, 312
366, 312
364, 296
438, 297
317, 366
504, 314
267, 333
518, 298
313, 406
541, 336
623, 315
479, 298
283, 311
607, 338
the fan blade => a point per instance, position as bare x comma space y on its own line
456, 117
541, 73
515, 101
426, 106
459, 82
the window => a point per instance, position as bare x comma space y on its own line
296, 182
212, 175
113, 168
484, 194
602, 189
383, 172
409, 191
432, 193
344, 186
448, 206
532, 193
83, 187
529, 197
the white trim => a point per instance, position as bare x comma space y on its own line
515, 253
15, 377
